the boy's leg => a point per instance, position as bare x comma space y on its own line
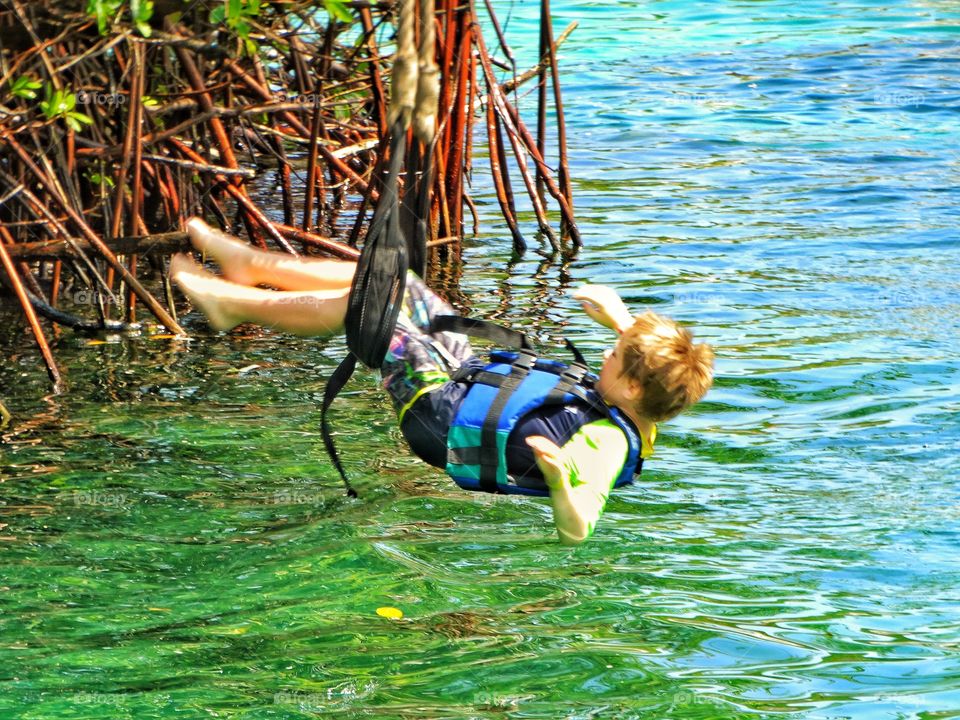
247, 265
227, 304
421, 305
416, 373
418, 361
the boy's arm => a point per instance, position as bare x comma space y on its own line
604, 305
580, 475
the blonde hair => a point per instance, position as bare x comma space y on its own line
673, 373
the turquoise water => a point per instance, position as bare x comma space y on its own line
783, 178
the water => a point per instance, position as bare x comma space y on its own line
783, 178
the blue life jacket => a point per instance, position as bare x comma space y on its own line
504, 391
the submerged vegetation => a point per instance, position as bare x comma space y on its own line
119, 119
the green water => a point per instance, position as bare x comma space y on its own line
782, 177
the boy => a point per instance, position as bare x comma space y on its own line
573, 444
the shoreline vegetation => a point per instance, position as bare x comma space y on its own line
119, 119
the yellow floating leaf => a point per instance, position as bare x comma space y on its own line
390, 612
229, 631
164, 337
97, 342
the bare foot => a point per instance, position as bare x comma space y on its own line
234, 256
202, 289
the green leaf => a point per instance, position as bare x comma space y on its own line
149, 101
76, 120
338, 10
60, 104
217, 14
234, 11
141, 11
47, 104
53, 104
79, 117
105, 11
24, 87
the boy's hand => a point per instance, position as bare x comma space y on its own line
549, 460
604, 305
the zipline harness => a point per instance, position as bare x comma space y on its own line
376, 292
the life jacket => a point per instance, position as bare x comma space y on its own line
512, 385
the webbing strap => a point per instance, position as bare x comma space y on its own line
569, 379
489, 455
585, 396
334, 386
479, 375
464, 455
376, 293
577, 355
498, 334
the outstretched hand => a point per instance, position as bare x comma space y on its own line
549, 460
605, 306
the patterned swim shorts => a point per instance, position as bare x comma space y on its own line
418, 361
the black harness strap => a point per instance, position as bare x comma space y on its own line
575, 351
464, 455
334, 386
497, 334
478, 375
376, 293
569, 379
489, 455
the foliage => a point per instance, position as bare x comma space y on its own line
24, 87
60, 103
106, 12
99, 179
235, 14
338, 10
141, 11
